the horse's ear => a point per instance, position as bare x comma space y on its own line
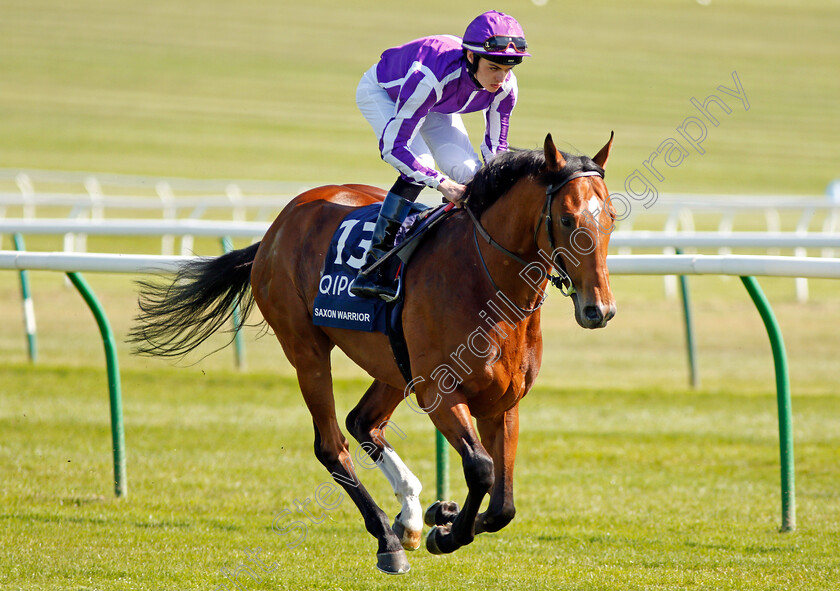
553, 158
604, 155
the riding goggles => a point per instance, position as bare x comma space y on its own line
501, 44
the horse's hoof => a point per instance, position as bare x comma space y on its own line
392, 563
410, 540
441, 513
433, 539
429, 515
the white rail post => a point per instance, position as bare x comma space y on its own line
671, 226
801, 283
234, 194
27, 191
97, 210
829, 227
164, 191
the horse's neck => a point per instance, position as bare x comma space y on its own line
510, 222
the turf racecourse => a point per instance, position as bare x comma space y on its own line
630, 489
625, 479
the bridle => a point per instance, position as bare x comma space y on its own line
559, 281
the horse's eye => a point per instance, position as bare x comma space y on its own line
566, 220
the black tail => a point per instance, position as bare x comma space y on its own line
177, 317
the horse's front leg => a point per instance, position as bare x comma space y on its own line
452, 418
500, 436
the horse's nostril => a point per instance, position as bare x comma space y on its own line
593, 313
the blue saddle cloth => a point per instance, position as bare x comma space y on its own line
335, 306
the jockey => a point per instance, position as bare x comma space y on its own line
413, 99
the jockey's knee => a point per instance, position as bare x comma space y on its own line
456, 163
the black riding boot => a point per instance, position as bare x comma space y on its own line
382, 281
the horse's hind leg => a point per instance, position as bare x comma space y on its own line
313, 369
367, 422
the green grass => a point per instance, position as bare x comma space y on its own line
261, 89
616, 488
625, 479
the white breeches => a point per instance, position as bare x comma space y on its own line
442, 141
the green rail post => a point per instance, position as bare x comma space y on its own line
694, 376
28, 305
238, 343
442, 456
783, 400
115, 395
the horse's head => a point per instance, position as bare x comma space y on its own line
575, 228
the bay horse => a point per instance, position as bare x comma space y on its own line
471, 322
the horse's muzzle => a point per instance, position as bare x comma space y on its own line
593, 315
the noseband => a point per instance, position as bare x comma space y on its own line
557, 281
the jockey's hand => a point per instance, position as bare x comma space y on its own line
452, 191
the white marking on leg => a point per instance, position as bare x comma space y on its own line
406, 487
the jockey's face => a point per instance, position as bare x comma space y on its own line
489, 74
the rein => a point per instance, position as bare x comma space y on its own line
556, 280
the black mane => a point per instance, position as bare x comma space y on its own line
498, 176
